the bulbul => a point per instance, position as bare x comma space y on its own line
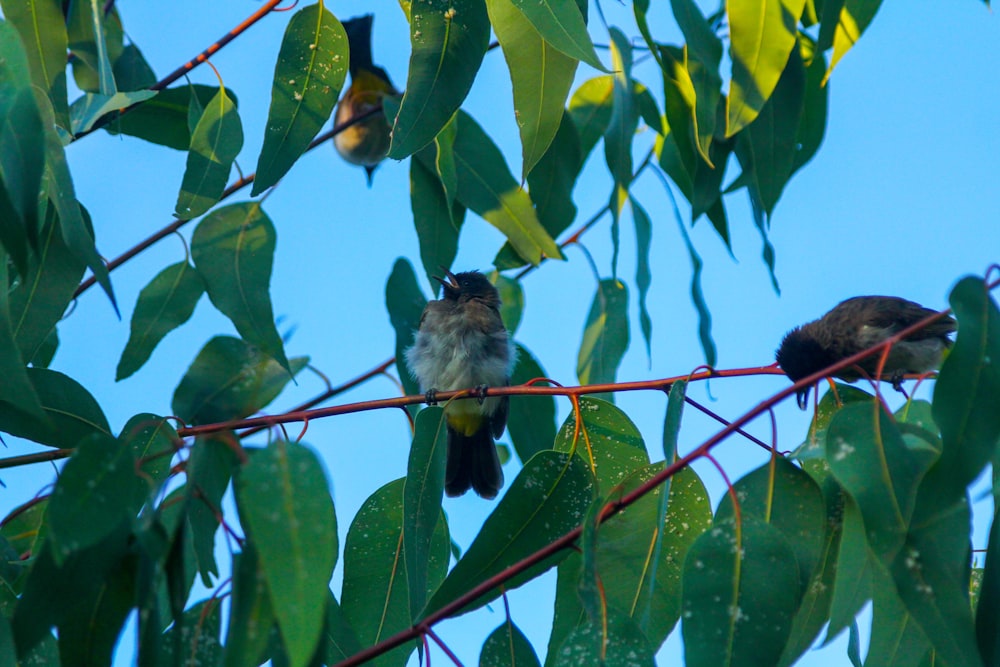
365, 143
462, 343
857, 324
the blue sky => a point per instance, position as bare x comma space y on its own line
902, 199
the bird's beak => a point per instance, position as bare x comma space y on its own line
802, 398
451, 284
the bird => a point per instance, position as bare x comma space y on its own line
366, 142
461, 342
857, 324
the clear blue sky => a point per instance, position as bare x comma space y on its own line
901, 199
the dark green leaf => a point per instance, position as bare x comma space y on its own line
163, 120
308, 76
564, 26
405, 303
152, 441
16, 388
22, 163
284, 502
896, 638
195, 639
422, 495
812, 126
853, 583
25, 527
132, 71
163, 305
672, 421
701, 41
814, 446
511, 300
762, 34
643, 275
591, 108
532, 419
338, 635
215, 143
625, 115
605, 336
545, 501
448, 40
607, 441
252, 614
988, 607
486, 186
740, 592
46, 57
508, 647
96, 40
72, 412
233, 250
375, 599
87, 110
613, 640
229, 379
540, 71
434, 220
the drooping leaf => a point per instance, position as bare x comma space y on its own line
194, 640
508, 647
233, 250
511, 300
229, 379
91, 108
762, 34
625, 114
163, 305
308, 76
739, 595
852, 586
541, 74
405, 303
532, 419
132, 71
338, 635
591, 107
375, 600
855, 17
215, 143
163, 120
16, 388
812, 126
563, 25
448, 40
422, 493
284, 502
252, 613
72, 412
605, 336
434, 220
643, 275
988, 606
42, 27
546, 500
152, 441
486, 186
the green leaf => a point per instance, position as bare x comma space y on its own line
252, 613
814, 446
625, 115
39, 299
43, 33
607, 441
163, 305
132, 71
868, 456
782, 495
672, 421
544, 502
308, 77
338, 635
163, 120
988, 607
563, 25
643, 275
613, 640
762, 34
448, 40
812, 126
152, 441
508, 647
422, 493
87, 110
896, 638
375, 599
701, 40
209, 468
25, 528
229, 379
605, 336
486, 186
233, 250
511, 300
405, 303
541, 73
16, 388
433, 219
195, 639
284, 502
772, 136
740, 592
215, 143
96, 492
854, 19
853, 584
591, 107
532, 419
72, 412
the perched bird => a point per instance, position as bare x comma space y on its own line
857, 324
365, 143
462, 343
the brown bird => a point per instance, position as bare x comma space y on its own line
366, 142
462, 343
857, 324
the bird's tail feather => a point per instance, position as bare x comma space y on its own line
473, 463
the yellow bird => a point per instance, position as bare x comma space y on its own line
366, 142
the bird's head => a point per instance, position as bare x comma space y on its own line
800, 355
469, 285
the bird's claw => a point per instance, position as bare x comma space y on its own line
431, 397
481, 393
896, 380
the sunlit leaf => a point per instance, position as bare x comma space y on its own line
308, 76
591, 107
215, 143
233, 250
562, 24
448, 40
855, 17
163, 305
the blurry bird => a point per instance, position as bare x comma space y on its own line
462, 343
365, 143
857, 324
